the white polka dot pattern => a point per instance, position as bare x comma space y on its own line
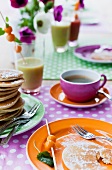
68, 61
13, 155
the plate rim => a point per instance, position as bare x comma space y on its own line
101, 122
95, 21
22, 131
75, 106
80, 56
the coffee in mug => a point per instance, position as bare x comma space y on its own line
81, 85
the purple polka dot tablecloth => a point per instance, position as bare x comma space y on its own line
13, 155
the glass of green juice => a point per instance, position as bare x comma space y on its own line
31, 64
60, 32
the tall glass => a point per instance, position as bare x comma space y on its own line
30, 62
60, 35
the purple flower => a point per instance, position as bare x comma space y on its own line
81, 3
58, 13
18, 3
26, 35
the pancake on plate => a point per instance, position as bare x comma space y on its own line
18, 105
10, 74
10, 102
86, 155
13, 83
104, 55
4, 89
2, 93
11, 115
6, 97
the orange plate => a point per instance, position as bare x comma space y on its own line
58, 95
59, 129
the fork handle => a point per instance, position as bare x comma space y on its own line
4, 127
8, 124
13, 123
105, 138
6, 140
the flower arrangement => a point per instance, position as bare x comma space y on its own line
34, 16
28, 12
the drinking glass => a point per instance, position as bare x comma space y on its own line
31, 63
60, 35
74, 30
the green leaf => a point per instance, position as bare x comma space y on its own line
2, 32
48, 6
7, 19
7, 25
27, 22
46, 158
22, 11
28, 13
17, 40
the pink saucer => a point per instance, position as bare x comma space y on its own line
58, 95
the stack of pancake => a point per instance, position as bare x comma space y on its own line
11, 103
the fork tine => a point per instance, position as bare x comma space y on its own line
78, 131
34, 108
81, 129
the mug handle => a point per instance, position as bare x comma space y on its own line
104, 81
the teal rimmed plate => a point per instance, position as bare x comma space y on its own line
29, 102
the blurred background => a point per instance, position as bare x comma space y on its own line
99, 10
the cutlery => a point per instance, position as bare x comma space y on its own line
27, 115
87, 135
107, 95
5, 140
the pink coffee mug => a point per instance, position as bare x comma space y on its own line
81, 85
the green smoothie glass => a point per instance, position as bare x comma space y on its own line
31, 64
60, 35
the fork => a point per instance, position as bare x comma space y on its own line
27, 115
106, 94
87, 135
5, 140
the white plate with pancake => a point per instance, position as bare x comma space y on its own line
29, 102
88, 53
